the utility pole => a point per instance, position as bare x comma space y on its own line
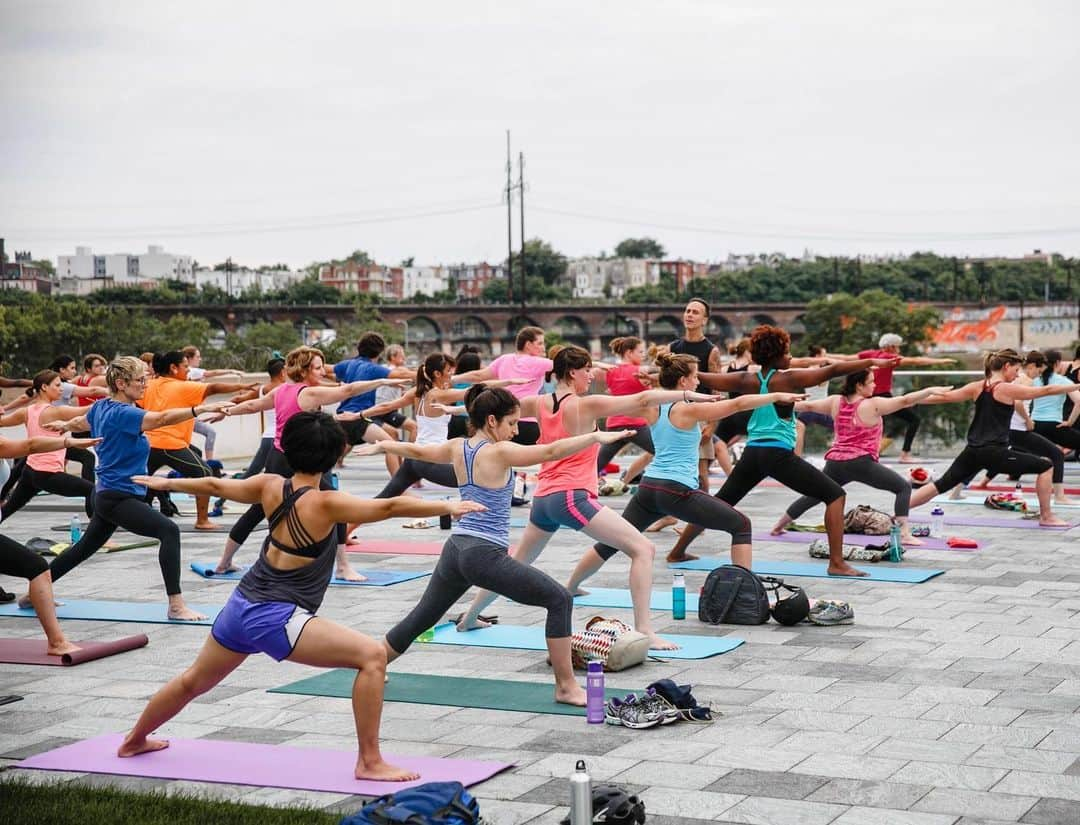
521, 204
955, 277
228, 277
509, 224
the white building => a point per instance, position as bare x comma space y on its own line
609, 277
424, 280
85, 272
240, 280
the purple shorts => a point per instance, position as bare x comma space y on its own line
566, 508
272, 628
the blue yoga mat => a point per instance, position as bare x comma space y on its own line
375, 578
146, 612
532, 638
614, 597
816, 570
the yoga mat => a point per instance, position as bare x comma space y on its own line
452, 691
614, 597
45, 547
816, 570
61, 505
389, 547
7, 700
33, 651
243, 763
798, 537
974, 499
1002, 488
532, 638
1013, 520
184, 527
105, 611
375, 578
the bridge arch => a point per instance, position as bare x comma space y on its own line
665, 328
423, 334
516, 322
474, 330
757, 320
720, 331
572, 329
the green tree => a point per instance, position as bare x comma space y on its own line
308, 291
541, 261
536, 291
639, 248
253, 346
46, 266
663, 292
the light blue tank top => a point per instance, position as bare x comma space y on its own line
767, 428
493, 523
1049, 407
676, 456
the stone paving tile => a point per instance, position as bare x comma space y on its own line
923, 750
996, 735
266, 736
943, 775
1008, 807
1022, 759
882, 816
843, 766
1040, 784
1053, 812
870, 793
768, 783
768, 811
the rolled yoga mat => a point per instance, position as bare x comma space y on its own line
532, 638
33, 651
242, 763
388, 547
375, 578
184, 527
106, 611
976, 500
1015, 521
805, 538
451, 691
817, 570
614, 597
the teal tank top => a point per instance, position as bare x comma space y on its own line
1049, 407
676, 456
769, 427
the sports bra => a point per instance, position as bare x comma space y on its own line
306, 546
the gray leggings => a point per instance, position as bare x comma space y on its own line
866, 471
469, 560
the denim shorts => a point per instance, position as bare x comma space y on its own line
272, 628
566, 508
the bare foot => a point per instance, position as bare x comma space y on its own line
907, 459
660, 524
672, 558
226, 568
131, 747
25, 603
206, 525
1064, 500
982, 484
185, 614
579, 591
660, 643
61, 648
574, 695
911, 541
844, 569
383, 771
465, 625
778, 530
1053, 521
349, 575
956, 495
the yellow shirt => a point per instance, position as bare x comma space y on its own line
166, 394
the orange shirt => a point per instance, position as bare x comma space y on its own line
166, 394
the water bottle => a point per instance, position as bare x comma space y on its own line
335, 482
937, 522
427, 636
76, 529
594, 694
445, 522
896, 550
678, 597
581, 812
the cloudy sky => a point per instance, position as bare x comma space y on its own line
300, 131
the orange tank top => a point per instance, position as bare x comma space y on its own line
575, 472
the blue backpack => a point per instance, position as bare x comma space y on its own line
433, 803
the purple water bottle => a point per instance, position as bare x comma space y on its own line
594, 694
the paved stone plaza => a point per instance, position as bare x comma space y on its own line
947, 702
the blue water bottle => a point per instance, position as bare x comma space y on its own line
896, 550
76, 529
678, 597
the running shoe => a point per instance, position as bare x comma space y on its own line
658, 702
614, 707
826, 612
638, 713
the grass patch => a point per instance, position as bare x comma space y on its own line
69, 802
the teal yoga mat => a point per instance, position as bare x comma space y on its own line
103, 611
375, 578
452, 691
976, 498
816, 570
532, 638
614, 597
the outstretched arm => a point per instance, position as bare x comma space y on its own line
435, 453
18, 447
313, 398
407, 398
799, 379
1014, 392
887, 406
522, 455
165, 418
601, 405
715, 410
924, 361
475, 376
968, 392
346, 509
9, 383
246, 491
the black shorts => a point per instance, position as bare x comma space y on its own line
354, 430
391, 419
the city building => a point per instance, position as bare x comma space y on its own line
24, 274
84, 272
423, 280
241, 280
355, 278
470, 279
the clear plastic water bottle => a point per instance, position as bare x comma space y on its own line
896, 549
678, 597
76, 529
937, 522
581, 812
427, 636
594, 694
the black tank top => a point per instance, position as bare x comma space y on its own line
701, 350
729, 368
990, 426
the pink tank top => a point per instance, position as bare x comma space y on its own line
575, 472
853, 438
623, 380
52, 462
286, 405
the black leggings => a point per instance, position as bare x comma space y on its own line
412, 471
16, 560
32, 481
258, 461
253, 516
458, 427
865, 470
758, 463
115, 508
1027, 441
1062, 436
468, 560
85, 458
185, 461
994, 459
658, 497
528, 433
910, 419
642, 438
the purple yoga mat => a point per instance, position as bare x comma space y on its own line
800, 537
993, 521
33, 651
242, 763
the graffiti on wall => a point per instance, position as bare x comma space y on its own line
963, 329
972, 330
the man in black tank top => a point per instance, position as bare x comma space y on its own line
694, 342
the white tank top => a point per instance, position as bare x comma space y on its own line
430, 430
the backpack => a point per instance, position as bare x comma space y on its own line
733, 595
867, 521
614, 643
432, 803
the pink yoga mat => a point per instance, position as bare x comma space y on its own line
32, 651
993, 521
389, 547
805, 538
242, 763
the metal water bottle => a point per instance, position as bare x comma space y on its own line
594, 693
937, 522
678, 597
76, 529
580, 796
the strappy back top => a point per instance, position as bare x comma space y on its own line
492, 524
430, 429
575, 472
772, 425
305, 586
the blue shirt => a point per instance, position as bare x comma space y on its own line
1049, 407
124, 451
359, 369
676, 455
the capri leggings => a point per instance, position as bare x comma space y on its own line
185, 461
254, 515
642, 438
208, 433
994, 459
866, 471
1027, 441
1062, 436
258, 462
910, 419
115, 508
758, 463
32, 481
658, 497
16, 560
466, 561
412, 471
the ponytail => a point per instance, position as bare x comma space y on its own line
425, 373
997, 360
673, 367
1053, 358
853, 380
41, 381
621, 346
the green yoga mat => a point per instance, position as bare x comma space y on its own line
455, 691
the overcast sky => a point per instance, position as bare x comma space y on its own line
300, 131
